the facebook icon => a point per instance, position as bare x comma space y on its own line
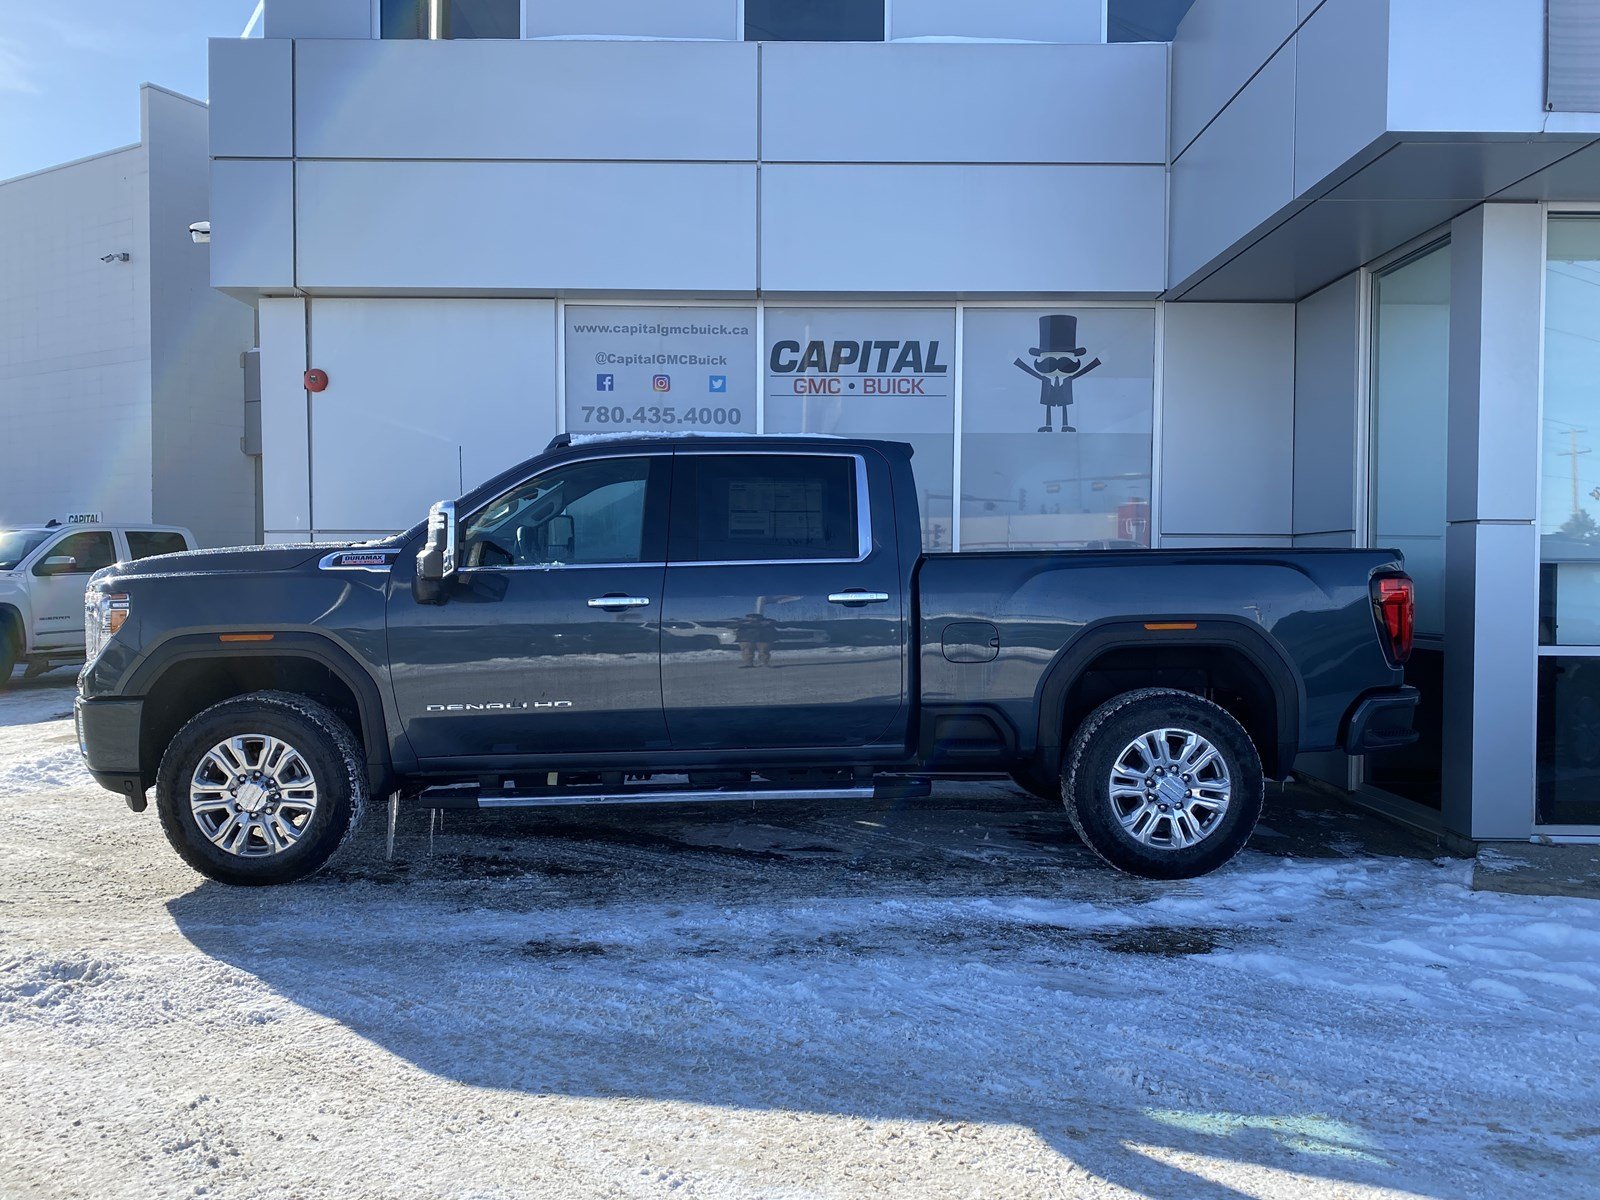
605, 383
719, 383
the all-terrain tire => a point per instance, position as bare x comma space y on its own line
1102, 820
328, 752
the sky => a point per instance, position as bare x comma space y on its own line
70, 70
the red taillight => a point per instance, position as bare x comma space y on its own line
1394, 600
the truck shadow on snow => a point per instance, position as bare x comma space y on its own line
960, 960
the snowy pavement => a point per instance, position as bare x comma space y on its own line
950, 998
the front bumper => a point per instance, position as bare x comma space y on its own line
108, 739
1381, 721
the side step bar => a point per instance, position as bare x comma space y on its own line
472, 797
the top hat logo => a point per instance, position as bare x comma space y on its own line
1058, 334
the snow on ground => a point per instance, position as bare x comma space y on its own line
950, 998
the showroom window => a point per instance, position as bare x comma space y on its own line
1144, 20
660, 368
435, 20
1057, 412
1410, 386
813, 20
875, 373
1568, 784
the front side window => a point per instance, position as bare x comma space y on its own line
147, 543
764, 507
813, 20
90, 552
583, 514
436, 20
17, 544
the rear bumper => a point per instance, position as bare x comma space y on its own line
1381, 721
108, 739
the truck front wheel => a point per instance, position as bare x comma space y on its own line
1163, 784
261, 789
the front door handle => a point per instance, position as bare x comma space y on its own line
616, 603
857, 596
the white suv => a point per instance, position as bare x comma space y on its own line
43, 572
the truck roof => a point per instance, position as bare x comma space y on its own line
563, 441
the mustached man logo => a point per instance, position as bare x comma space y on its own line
1057, 361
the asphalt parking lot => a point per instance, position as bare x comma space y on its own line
942, 998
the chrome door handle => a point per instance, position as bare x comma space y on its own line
858, 597
619, 602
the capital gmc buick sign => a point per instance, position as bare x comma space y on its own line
859, 354
869, 366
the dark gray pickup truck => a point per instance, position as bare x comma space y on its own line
647, 619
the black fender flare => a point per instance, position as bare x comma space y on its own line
314, 647
12, 625
1095, 639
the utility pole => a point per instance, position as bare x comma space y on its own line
1573, 452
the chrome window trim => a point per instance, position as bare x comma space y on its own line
863, 511
561, 567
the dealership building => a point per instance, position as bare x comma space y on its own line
1275, 273
121, 379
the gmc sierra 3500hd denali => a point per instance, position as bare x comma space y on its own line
650, 618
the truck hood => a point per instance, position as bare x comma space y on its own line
231, 559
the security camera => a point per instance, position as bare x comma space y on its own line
200, 232
120, 256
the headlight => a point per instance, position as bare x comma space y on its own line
103, 615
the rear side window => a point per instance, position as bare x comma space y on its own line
145, 543
764, 507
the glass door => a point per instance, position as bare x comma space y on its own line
1410, 383
1568, 779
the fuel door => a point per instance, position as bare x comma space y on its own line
971, 642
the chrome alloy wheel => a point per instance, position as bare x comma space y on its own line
253, 795
1170, 788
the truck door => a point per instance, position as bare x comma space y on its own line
547, 641
60, 573
784, 623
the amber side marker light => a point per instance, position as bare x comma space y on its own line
1157, 626
245, 637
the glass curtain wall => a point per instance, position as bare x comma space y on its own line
1568, 780
1410, 397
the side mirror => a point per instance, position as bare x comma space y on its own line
561, 533
436, 561
57, 564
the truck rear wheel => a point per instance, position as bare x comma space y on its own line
1163, 784
261, 789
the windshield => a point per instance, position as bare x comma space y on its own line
17, 544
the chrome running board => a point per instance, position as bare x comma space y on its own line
471, 796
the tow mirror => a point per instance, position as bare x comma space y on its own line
57, 564
436, 561
562, 533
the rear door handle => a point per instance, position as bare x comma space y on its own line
858, 596
618, 603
